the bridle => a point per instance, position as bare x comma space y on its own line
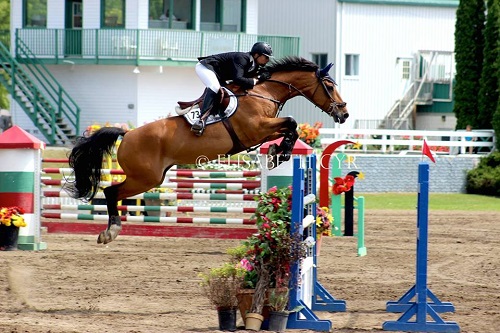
334, 105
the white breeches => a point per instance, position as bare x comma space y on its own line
208, 77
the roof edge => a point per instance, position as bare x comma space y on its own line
421, 3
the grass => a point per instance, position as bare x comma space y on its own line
437, 201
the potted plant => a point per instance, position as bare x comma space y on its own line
221, 286
11, 219
278, 301
272, 250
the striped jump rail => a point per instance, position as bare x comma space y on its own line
241, 185
128, 218
170, 173
167, 196
128, 208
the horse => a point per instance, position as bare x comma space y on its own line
146, 153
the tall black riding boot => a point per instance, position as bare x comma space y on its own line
209, 103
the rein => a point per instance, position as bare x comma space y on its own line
333, 103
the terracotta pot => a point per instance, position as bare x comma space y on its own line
253, 321
245, 296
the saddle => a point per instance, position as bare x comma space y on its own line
191, 110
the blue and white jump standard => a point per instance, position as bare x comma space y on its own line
425, 303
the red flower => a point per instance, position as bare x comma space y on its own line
343, 184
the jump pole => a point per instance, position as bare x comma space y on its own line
421, 307
310, 295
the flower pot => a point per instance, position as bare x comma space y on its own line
278, 321
244, 297
253, 321
8, 237
227, 319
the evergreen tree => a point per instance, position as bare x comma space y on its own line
469, 45
488, 84
4, 29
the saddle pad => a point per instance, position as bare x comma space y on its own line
193, 114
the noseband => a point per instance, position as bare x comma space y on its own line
334, 105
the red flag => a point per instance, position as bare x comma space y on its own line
427, 152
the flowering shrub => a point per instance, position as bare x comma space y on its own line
310, 134
323, 221
12, 216
272, 249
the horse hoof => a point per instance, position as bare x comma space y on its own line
104, 237
114, 231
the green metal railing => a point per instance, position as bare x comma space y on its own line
136, 46
43, 99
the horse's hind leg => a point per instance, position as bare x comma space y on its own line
129, 187
114, 221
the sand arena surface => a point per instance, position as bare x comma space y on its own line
150, 284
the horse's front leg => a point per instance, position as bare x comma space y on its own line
289, 132
114, 222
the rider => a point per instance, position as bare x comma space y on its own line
238, 67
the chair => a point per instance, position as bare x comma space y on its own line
168, 48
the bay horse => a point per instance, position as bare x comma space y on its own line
146, 153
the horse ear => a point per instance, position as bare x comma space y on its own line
324, 71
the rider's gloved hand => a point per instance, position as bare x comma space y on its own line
264, 77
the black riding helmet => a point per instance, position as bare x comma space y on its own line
262, 48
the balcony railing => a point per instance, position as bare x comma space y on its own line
115, 46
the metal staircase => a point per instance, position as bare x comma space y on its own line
431, 69
42, 98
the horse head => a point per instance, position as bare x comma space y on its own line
333, 103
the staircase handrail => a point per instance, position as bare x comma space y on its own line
58, 94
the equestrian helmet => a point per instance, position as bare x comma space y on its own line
262, 48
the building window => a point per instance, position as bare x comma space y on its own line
321, 59
405, 70
35, 13
113, 13
352, 64
182, 14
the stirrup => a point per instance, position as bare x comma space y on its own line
198, 128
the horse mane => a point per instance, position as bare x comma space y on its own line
291, 63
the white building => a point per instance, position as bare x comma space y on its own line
114, 61
381, 51
119, 63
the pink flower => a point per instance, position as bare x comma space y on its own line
246, 265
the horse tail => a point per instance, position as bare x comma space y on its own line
86, 161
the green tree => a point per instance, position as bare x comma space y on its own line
469, 45
4, 29
488, 84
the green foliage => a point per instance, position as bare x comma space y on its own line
221, 285
278, 299
496, 119
485, 178
5, 39
4, 15
469, 45
488, 92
